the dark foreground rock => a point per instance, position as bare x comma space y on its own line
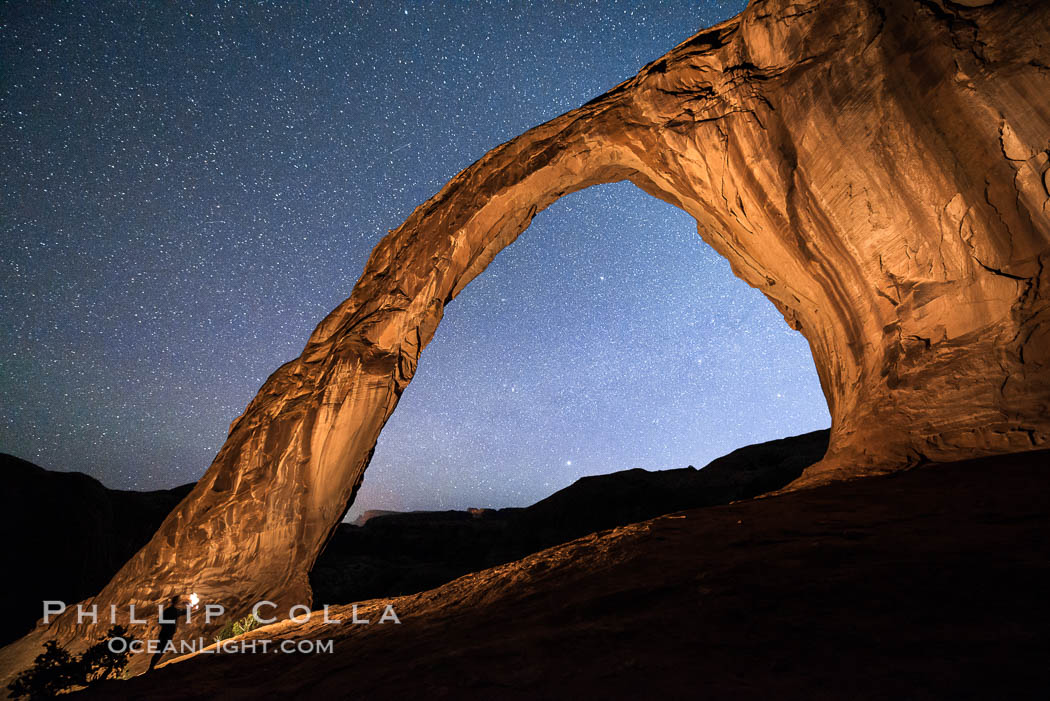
65, 535
927, 584
395, 554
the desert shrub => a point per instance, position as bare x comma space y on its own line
235, 627
99, 662
55, 670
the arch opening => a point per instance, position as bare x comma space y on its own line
634, 346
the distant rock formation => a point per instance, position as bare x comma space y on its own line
87, 532
65, 535
371, 514
877, 168
402, 553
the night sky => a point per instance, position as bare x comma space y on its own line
186, 191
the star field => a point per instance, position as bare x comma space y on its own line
187, 189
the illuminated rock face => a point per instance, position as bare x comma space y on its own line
877, 169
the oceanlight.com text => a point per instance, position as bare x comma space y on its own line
224, 647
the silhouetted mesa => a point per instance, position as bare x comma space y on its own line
65, 535
402, 553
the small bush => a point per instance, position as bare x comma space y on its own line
55, 670
99, 662
233, 628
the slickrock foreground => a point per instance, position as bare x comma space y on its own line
927, 584
877, 168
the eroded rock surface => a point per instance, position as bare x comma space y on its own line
877, 168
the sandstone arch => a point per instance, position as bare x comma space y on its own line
878, 169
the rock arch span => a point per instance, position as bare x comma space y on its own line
877, 168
